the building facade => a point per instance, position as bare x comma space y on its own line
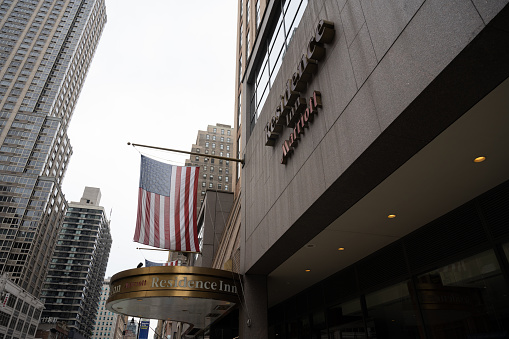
45, 50
107, 325
72, 292
373, 198
211, 223
20, 311
215, 174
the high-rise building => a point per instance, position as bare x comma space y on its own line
215, 174
72, 290
46, 47
107, 325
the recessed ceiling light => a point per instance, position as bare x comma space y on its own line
479, 159
391, 216
341, 249
308, 270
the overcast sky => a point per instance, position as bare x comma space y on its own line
163, 70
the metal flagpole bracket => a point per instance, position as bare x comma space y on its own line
191, 153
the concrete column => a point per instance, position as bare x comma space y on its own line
253, 322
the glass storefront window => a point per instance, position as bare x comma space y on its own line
391, 313
466, 299
345, 321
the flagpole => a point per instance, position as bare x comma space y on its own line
186, 152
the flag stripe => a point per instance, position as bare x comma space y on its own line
196, 243
177, 208
154, 237
186, 209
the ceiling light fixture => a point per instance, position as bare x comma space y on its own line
391, 216
479, 159
341, 249
308, 270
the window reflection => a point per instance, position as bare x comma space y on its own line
467, 299
345, 321
291, 14
392, 314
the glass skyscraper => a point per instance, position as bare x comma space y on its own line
46, 47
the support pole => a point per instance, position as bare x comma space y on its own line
186, 152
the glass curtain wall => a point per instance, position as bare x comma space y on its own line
274, 51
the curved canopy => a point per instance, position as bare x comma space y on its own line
194, 295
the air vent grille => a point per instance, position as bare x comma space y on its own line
382, 266
456, 232
495, 206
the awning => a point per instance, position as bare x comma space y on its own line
194, 295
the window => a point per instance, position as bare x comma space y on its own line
215, 130
248, 11
239, 111
204, 176
214, 137
197, 158
211, 177
248, 44
197, 150
220, 178
202, 192
207, 144
204, 168
207, 137
227, 147
213, 145
203, 184
222, 131
212, 160
226, 178
240, 68
222, 139
212, 168
211, 185
241, 37
226, 187
218, 186
275, 47
229, 132
257, 14
221, 146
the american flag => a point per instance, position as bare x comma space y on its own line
169, 263
167, 206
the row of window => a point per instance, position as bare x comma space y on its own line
207, 137
228, 132
273, 51
219, 187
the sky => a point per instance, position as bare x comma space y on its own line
162, 71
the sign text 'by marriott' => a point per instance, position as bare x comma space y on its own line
293, 110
